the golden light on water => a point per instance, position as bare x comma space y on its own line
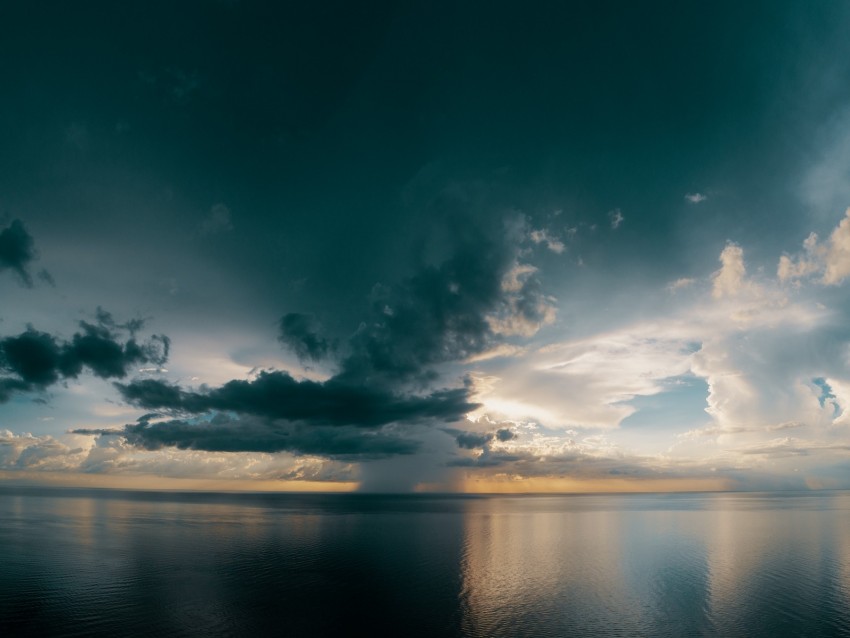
150, 482
542, 485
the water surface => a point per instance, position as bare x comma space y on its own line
105, 563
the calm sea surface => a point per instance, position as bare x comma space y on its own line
110, 563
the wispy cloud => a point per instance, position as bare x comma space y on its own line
616, 217
542, 236
217, 221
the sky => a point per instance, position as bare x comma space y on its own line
396, 246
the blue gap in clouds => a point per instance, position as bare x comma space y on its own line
679, 408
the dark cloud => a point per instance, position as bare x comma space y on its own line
473, 440
34, 360
97, 431
446, 312
46, 277
300, 333
277, 395
17, 250
479, 440
106, 320
441, 314
227, 433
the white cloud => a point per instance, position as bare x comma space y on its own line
756, 348
543, 236
829, 259
113, 455
501, 350
525, 309
729, 281
695, 198
681, 283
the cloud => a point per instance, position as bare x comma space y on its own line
830, 259
218, 220
229, 433
450, 312
524, 308
756, 347
114, 455
300, 333
617, 218
730, 280
446, 313
17, 251
542, 236
537, 454
277, 395
46, 277
695, 198
588, 382
28, 452
480, 440
34, 360
680, 284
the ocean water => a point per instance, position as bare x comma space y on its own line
113, 563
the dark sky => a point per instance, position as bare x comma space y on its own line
366, 229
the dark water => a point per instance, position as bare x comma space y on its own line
88, 563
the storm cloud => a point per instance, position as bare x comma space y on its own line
476, 440
300, 333
34, 360
451, 311
228, 433
277, 395
444, 313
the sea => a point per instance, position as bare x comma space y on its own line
82, 562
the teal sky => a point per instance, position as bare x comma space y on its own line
404, 243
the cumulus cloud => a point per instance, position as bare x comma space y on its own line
103, 454
695, 198
536, 453
28, 452
756, 347
34, 360
829, 259
524, 308
730, 280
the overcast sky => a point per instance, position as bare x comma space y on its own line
475, 246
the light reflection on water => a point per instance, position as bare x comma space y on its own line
120, 563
